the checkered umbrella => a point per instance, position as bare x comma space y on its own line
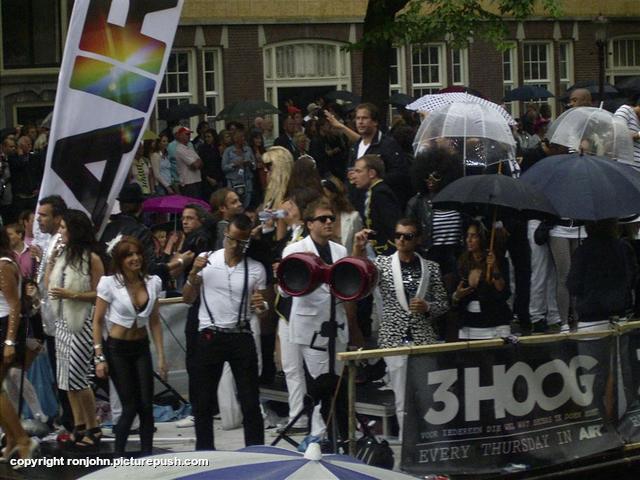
265, 463
436, 101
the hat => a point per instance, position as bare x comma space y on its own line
180, 129
292, 109
131, 193
312, 108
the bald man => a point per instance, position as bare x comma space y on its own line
580, 97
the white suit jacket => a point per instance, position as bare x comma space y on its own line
308, 312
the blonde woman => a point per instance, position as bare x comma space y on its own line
278, 162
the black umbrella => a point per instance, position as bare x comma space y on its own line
630, 86
247, 108
475, 192
400, 100
343, 95
587, 187
527, 93
183, 110
594, 89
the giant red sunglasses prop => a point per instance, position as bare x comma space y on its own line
349, 279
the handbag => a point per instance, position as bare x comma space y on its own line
541, 235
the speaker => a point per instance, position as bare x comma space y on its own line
350, 278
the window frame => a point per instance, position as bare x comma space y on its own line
218, 93
63, 25
464, 66
512, 107
432, 87
192, 85
612, 70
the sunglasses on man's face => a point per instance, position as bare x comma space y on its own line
434, 177
406, 236
324, 218
238, 241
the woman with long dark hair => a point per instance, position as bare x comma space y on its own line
482, 302
128, 300
71, 279
12, 340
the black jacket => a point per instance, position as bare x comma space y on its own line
384, 213
396, 165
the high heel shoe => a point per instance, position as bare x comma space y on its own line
34, 446
5, 457
91, 440
79, 432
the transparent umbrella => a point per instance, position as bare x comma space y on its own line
436, 101
477, 132
594, 131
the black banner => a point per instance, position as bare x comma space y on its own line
480, 411
629, 386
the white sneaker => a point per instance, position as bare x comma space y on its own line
186, 422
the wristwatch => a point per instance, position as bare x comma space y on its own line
10, 343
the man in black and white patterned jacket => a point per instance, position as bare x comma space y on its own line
413, 297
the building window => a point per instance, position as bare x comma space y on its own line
307, 60
624, 59
427, 68
212, 81
536, 62
510, 76
177, 85
565, 66
31, 36
459, 67
301, 71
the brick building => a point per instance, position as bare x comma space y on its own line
229, 50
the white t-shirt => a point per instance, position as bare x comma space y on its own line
121, 310
185, 157
222, 288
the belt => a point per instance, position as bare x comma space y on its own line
245, 328
568, 223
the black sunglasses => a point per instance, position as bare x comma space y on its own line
406, 236
324, 218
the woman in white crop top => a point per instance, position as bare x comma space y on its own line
128, 300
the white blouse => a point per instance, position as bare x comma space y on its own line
121, 310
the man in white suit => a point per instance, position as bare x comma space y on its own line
308, 312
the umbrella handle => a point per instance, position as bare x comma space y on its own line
492, 241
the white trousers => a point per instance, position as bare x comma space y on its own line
543, 301
293, 368
397, 369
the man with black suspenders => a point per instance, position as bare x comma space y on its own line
231, 286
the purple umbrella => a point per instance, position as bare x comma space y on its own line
172, 204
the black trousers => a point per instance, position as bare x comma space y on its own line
214, 349
520, 253
131, 370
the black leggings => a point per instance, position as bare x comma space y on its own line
132, 373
